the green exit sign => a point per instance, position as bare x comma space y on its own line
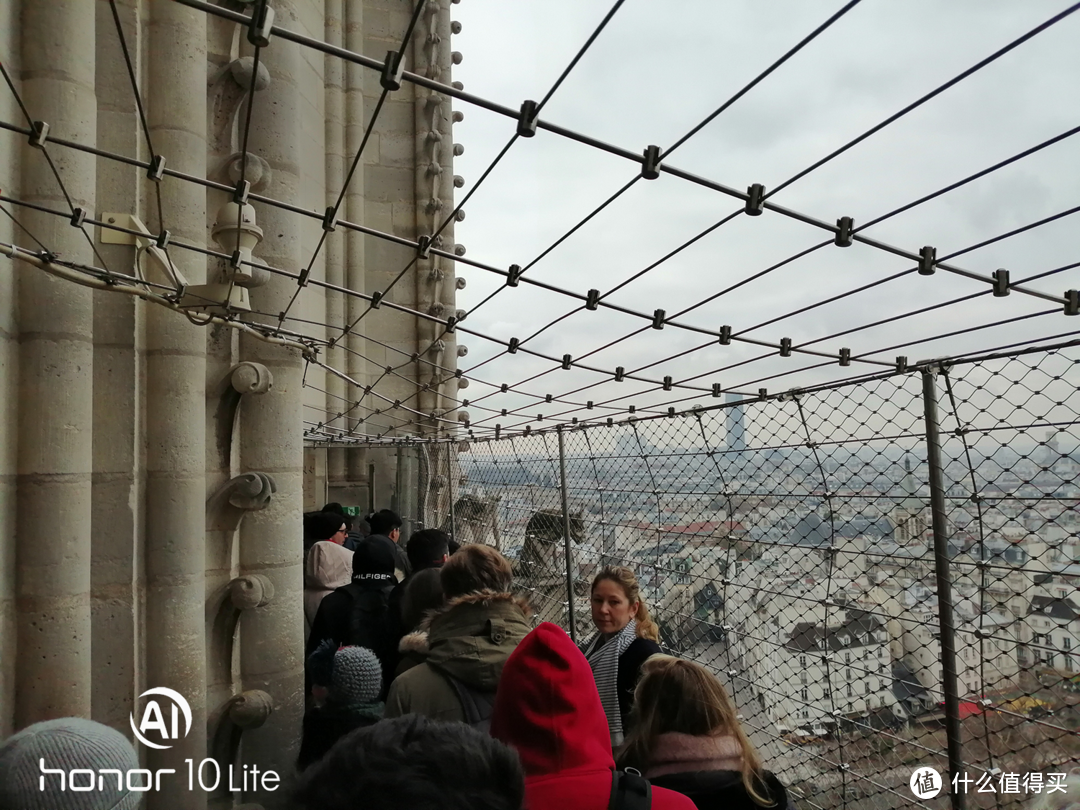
351, 510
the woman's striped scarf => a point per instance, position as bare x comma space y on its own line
604, 661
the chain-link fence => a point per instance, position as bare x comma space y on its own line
884, 574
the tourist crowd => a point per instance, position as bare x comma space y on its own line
429, 687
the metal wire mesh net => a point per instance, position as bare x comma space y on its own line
789, 543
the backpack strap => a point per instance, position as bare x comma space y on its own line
477, 705
630, 791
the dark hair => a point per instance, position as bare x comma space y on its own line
383, 522
334, 507
412, 761
476, 567
423, 592
322, 525
427, 548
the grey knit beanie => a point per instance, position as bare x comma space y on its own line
66, 744
357, 676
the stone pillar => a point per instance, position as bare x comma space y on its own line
337, 393
356, 277
272, 636
116, 568
9, 391
175, 398
52, 528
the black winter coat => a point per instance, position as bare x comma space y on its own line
630, 663
721, 790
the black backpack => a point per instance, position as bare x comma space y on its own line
475, 703
630, 791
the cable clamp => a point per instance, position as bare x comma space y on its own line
163, 239
513, 276
262, 21
610, 422
620, 374
567, 360
844, 226
526, 124
1001, 283
548, 398
658, 319
632, 409
392, 71
845, 357
504, 411
513, 346
78, 217
451, 324
927, 260
755, 200
592, 299
667, 383
650, 164
785, 347
528, 430
302, 281
157, 168
39, 134
1072, 302
464, 403
901, 364
725, 335
498, 430
716, 389
573, 421
589, 405
671, 411
504, 388
763, 393
458, 373
423, 247
329, 220
539, 417
240, 193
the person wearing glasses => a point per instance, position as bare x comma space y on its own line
328, 563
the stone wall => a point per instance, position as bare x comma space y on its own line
152, 470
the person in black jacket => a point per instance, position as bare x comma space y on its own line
626, 637
387, 524
352, 677
687, 738
358, 613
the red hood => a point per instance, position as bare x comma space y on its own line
547, 707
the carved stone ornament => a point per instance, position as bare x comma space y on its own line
251, 491
252, 591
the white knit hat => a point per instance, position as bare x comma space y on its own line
66, 744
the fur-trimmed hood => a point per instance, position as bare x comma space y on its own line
472, 635
482, 598
414, 643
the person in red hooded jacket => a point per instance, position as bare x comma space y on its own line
548, 709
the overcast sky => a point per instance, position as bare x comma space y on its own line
655, 72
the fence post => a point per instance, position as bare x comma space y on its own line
944, 584
450, 487
566, 536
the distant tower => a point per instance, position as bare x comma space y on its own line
736, 431
909, 517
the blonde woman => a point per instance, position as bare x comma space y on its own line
687, 738
625, 638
